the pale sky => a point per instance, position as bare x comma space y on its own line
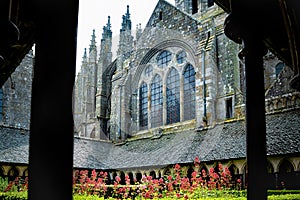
93, 14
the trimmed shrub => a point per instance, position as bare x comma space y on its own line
13, 196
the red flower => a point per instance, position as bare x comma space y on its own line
118, 179
177, 167
196, 161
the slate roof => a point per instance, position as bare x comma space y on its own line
225, 141
14, 145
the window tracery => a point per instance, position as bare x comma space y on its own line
164, 58
163, 92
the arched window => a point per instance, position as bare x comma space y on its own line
148, 71
156, 102
189, 92
143, 106
173, 97
163, 59
180, 57
279, 67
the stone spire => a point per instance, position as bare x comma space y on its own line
93, 41
105, 55
138, 32
93, 49
84, 57
126, 39
107, 33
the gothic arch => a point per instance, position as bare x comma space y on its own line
1, 171
139, 176
203, 167
153, 174
13, 172
25, 173
122, 176
173, 96
233, 169
270, 167
286, 166
288, 102
130, 175
297, 101
279, 104
158, 48
190, 171
166, 171
114, 175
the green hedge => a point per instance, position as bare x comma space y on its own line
278, 192
284, 197
23, 196
13, 195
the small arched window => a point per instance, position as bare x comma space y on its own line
164, 58
156, 102
180, 57
189, 92
148, 71
143, 118
279, 67
173, 97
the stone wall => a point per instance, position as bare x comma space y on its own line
17, 95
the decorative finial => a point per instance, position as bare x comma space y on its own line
84, 54
128, 14
108, 23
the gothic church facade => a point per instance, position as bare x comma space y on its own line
180, 74
174, 91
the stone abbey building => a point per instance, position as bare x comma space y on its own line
175, 90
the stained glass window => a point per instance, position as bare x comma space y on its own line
189, 92
164, 58
156, 102
173, 97
181, 56
279, 67
143, 106
148, 71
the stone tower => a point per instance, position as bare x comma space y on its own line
86, 90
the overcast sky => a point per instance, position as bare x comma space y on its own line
93, 14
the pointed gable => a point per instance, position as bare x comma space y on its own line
167, 16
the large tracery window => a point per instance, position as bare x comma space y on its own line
167, 93
164, 58
156, 102
173, 97
143, 106
189, 92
